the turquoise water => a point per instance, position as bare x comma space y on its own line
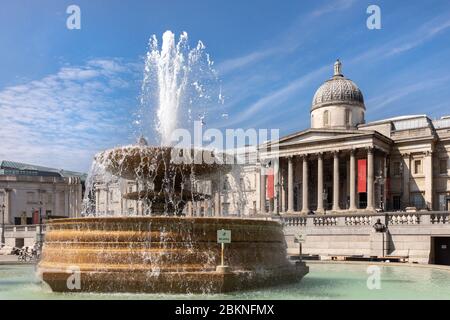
325, 281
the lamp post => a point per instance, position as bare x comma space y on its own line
277, 205
40, 226
3, 225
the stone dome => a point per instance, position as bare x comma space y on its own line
337, 90
338, 103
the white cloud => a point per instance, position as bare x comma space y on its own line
64, 118
268, 104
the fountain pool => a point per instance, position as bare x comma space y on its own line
325, 281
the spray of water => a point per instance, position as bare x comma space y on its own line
179, 86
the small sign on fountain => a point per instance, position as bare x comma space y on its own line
223, 236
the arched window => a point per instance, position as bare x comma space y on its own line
325, 118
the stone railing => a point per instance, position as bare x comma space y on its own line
295, 221
440, 218
325, 221
369, 219
23, 228
404, 218
359, 221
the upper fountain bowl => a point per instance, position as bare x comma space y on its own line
134, 161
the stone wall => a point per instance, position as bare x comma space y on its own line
408, 235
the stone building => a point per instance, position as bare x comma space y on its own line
343, 164
27, 189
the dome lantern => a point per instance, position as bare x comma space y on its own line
338, 69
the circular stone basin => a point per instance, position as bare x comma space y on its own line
164, 254
155, 162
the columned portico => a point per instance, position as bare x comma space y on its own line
329, 193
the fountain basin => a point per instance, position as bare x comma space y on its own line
165, 254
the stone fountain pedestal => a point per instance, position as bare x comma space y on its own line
164, 255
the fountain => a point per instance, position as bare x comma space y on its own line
161, 249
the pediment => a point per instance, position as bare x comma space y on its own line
312, 135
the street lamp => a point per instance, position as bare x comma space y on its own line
40, 226
277, 206
3, 225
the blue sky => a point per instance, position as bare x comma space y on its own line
67, 94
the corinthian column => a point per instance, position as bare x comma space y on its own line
370, 179
352, 180
290, 189
305, 204
336, 181
262, 191
320, 183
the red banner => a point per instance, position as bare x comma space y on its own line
362, 175
270, 184
36, 217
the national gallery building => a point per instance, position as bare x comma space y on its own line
343, 164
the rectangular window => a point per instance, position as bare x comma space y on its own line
417, 166
418, 201
443, 166
396, 202
396, 168
443, 202
347, 117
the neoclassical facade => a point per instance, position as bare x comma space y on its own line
25, 189
342, 164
